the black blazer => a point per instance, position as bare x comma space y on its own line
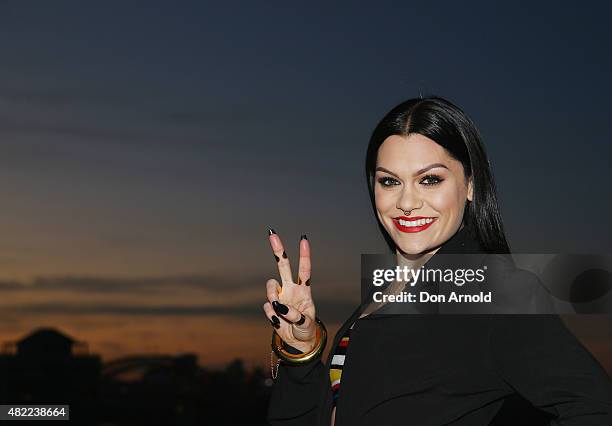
449, 370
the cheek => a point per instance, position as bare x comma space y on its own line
383, 200
447, 200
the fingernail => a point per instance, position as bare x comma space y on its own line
275, 321
271, 231
308, 282
278, 258
280, 308
299, 281
303, 237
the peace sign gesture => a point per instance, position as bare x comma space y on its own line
290, 307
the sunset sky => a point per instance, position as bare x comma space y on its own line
145, 149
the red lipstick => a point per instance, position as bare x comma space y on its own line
412, 229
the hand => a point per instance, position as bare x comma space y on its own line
287, 302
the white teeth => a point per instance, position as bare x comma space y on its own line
419, 222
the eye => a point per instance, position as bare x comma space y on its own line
431, 180
384, 181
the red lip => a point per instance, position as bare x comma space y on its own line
412, 229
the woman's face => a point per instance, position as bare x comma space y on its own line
414, 174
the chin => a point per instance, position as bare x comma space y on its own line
412, 249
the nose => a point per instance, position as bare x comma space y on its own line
409, 200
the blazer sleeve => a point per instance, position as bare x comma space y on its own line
296, 393
543, 361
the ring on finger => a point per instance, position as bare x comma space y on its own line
301, 320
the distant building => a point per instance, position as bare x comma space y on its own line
47, 366
50, 367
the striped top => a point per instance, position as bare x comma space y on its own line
335, 369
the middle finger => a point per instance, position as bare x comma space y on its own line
305, 266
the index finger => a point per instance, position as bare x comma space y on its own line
284, 268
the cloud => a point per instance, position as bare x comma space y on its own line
11, 286
334, 311
80, 131
183, 111
118, 287
63, 96
88, 284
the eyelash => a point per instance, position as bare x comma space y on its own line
438, 180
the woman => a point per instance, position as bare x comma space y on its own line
432, 191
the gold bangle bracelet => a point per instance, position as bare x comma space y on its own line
279, 350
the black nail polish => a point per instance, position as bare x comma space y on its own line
275, 321
284, 255
280, 308
307, 282
303, 237
271, 231
276, 258
299, 281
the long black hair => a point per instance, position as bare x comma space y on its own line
448, 126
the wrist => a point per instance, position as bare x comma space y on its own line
313, 351
300, 347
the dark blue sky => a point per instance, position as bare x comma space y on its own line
161, 139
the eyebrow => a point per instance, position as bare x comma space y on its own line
418, 172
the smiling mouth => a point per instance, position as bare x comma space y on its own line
415, 224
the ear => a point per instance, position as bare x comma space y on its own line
470, 192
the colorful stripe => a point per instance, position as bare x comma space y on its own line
337, 363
